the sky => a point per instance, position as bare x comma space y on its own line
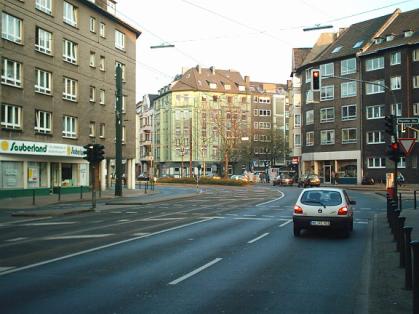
253, 37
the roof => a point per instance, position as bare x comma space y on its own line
298, 57
267, 88
407, 21
321, 44
199, 79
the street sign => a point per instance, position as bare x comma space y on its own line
407, 144
414, 120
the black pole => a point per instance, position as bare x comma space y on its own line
415, 249
59, 193
81, 192
400, 201
414, 198
408, 258
118, 132
33, 197
94, 186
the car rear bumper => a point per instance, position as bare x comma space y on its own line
305, 222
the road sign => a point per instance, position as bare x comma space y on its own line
414, 120
407, 144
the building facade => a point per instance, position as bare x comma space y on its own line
58, 91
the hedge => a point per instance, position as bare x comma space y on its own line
204, 180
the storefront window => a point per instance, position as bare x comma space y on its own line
67, 176
37, 174
347, 169
11, 174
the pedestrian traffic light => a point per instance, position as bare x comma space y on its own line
88, 152
390, 125
315, 80
98, 152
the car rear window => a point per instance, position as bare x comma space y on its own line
323, 197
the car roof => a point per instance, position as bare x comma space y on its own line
324, 189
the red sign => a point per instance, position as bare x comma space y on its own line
407, 144
295, 160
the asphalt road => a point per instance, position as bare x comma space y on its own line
224, 251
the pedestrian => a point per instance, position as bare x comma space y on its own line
336, 178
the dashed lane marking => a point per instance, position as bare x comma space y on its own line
57, 223
16, 239
2, 269
285, 223
194, 272
258, 238
80, 236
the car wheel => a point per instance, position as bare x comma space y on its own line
297, 231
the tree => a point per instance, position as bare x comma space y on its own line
279, 147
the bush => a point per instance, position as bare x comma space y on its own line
204, 180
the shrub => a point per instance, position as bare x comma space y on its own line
203, 180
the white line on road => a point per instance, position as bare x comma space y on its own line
81, 236
159, 219
252, 218
140, 234
99, 248
131, 212
268, 216
285, 223
276, 199
2, 269
28, 220
123, 220
50, 223
15, 239
258, 238
196, 271
249, 215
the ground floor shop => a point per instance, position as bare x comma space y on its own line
334, 167
177, 169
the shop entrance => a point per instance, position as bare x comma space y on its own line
327, 173
55, 174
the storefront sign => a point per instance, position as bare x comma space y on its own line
38, 148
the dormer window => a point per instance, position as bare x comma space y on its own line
408, 33
212, 85
242, 88
358, 44
389, 37
227, 86
378, 40
337, 49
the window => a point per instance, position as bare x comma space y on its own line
327, 137
92, 128
124, 101
358, 44
92, 94
327, 115
416, 109
102, 130
43, 41
395, 58
327, 69
102, 97
375, 137
255, 112
375, 112
327, 92
92, 24
43, 121
309, 96
308, 75
123, 69
416, 81
69, 127
396, 82
348, 66
212, 85
264, 113
69, 51
374, 64
11, 28
347, 89
70, 14
92, 59
102, 63
11, 73
349, 136
376, 162
396, 109
375, 89
102, 30
337, 49
123, 134
70, 89
43, 81
310, 138
348, 112
264, 125
415, 54
11, 116
401, 163
119, 40
44, 6
297, 120
297, 140
309, 117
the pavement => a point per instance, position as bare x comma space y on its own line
384, 291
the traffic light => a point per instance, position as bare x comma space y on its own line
98, 152
315, 80
394, 153
88, 152
390, 125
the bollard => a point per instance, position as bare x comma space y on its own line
145, 187
407, 258
399, 234
415, 250
59, 193
414, 199
81, 192
393, 221
401, 242
33, 197
400, 201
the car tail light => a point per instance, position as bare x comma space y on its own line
343, 210
298, 209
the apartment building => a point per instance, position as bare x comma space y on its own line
57, 90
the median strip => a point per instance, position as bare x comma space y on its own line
196, 271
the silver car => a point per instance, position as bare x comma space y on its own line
323, 208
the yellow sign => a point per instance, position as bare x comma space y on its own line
5, 145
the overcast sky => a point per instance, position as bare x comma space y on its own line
252, 37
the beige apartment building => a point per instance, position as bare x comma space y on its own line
57, 91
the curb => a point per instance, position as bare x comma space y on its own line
52, 213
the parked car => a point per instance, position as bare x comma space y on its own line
239, 177
309, 180
143, 177
323, 208
283, 179
368, 181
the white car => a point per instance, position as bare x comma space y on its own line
323, 208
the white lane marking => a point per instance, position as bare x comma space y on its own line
252, 218
258, 238
3, 269
50, 223
140, 234
196, 271
276, 199
214, 217
285, 223
159, 219
249, 215
366, 208
131, 212
15, 239
123, 220
28, 220
362, 222
100, 248
234, 215
80, 236
268, 216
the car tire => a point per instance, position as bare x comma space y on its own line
297, 231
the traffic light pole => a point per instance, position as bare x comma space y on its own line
94, 186
118, 133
